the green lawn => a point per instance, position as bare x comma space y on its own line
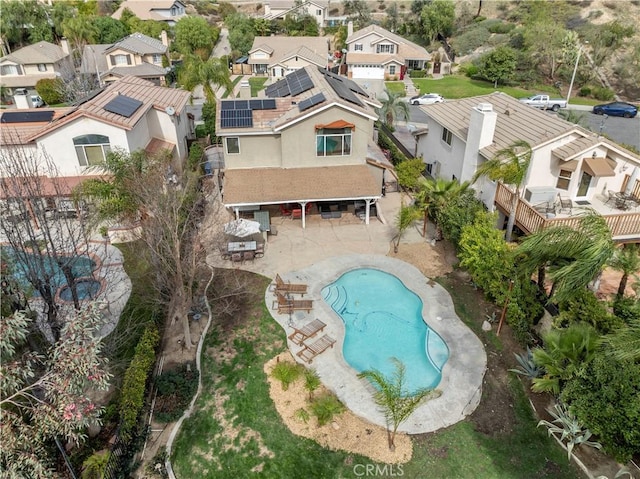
395, 87
257, 84
235, 395
235, 81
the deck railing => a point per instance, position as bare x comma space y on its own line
623, 226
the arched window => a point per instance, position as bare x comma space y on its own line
91, 149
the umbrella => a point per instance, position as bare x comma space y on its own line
242, 228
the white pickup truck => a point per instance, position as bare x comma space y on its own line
544, 102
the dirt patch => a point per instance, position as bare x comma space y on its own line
432, 260
347, 432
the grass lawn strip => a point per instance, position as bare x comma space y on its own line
257, 84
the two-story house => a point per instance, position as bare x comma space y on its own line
376, 54
137, 55
571, 168
318, 9
131, 114
26, 66
169, 11
310, 141
278, 56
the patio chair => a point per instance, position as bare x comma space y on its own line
248, 255
310, 351
286, 305
309, 330
236, 257
260, 250
611, 196
565, 204
281, 287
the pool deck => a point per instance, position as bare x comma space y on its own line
461, 384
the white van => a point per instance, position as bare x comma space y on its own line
36, 101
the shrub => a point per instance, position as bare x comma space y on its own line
469, 69
311, 381
585, 307
286, 373
409, 171
524, 309
94, 466
50, 90
385, 143
501, 27
470, 40
603, 94
584, 91
457, 213
175, 390
418, 74
325, 407
196, 155
627, 308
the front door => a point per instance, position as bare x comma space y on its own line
585, 182
436, 68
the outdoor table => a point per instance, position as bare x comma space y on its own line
262, 217
239, 246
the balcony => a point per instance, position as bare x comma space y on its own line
624, 224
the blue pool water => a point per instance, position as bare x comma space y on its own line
383, 319
80, 266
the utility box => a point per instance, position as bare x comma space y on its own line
539, 194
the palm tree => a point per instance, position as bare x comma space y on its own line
574, 116
575, 255
625, 341
396, 403
510, 165
433, 195
627, 260
393, 108
405, 218
209, 73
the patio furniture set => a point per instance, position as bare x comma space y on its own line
301, 336
241, 251
622, 201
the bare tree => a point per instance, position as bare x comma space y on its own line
41, 228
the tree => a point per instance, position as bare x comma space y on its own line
409, 172
405, 218
627, 260
624, 342
543, 40
23, 23
393, 107
193, 35
109, 29
438, 18
433, 195
393, 17
241, 32
575, 255
358, 11
498, 65
212, 72
46, 396
40, 242
80, 30
396, 403
510, 165
51, 90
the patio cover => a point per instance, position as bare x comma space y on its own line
598, 167
284, 185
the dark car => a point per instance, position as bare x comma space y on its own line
616, 108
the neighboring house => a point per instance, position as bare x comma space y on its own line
137, 55
26, 66
318, 9
278, 56
169, 11
309, 142
130, 114
376, 54
570, 168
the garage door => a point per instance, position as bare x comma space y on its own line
368, 73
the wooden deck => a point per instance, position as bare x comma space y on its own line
624, 226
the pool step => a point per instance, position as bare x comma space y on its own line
336, 297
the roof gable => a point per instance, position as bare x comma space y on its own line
41, 52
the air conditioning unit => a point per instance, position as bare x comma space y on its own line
539, 194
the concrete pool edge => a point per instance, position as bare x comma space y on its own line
462, 375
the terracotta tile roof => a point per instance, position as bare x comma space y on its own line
283, 185
150, 95
19, 133
41, 52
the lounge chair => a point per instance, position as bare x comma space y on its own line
309, 330
286, 305
310, 351
292, 288
565, 204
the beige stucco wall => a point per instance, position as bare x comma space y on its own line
257, 151
366, 44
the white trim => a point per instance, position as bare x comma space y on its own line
315, 112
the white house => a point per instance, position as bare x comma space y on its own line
571, 168
318, 9
279, 56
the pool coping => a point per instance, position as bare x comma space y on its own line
462, 375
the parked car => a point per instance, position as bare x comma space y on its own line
36, 101
616, 108
426, 99
544, 102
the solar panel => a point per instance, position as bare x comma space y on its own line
309, 102
343, 91
262, 104
350, 84
241, 105
228, 105
277, 89
299, 82
236, 118
123, 105
26, 116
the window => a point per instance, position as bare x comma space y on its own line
120, 60
563, 179
10, 70
319, 12
392, 69
357, 47
447, 136
385, 49
333, 142
233, 145
157, 59
414, 64
42, 67
91, 150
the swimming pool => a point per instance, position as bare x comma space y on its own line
383, 319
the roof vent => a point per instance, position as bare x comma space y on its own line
484, 107
507, 112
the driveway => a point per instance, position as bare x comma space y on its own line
223, 47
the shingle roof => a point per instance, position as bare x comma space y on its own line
93, 58
41, 52
140, 44
313, 49
150, 95
142, 70
406, 49
283, 185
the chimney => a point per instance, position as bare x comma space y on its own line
349, 28
164, 38
267, 9
482, 127
64, 44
